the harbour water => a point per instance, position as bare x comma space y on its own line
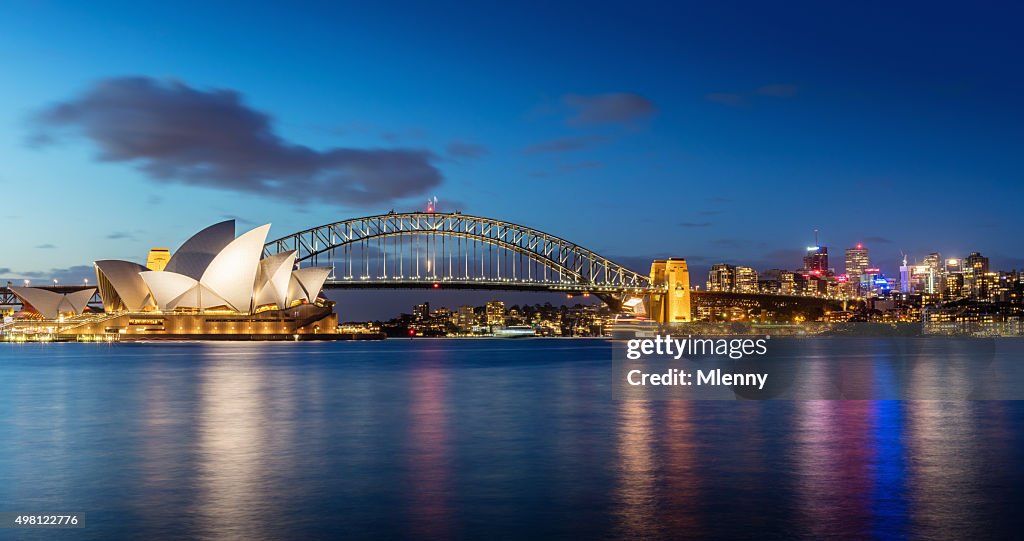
473, 439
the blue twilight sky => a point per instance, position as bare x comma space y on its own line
714, 131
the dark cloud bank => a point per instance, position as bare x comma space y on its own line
176, 133
611, 108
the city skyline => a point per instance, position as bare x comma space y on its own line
691, 132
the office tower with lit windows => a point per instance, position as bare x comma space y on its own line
856, 262
935, 274
975, 268
816, 260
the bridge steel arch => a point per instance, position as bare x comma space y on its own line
568, 266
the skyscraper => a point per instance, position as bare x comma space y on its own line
856, 262
975, 267
935, 275
816, 260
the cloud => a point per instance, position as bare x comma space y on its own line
778, 90
695, 224
565, 144
611, 108
878, 240
179, 134
117, 235
725, 98
465, 149
46, 246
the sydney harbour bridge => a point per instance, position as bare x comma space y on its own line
433, 250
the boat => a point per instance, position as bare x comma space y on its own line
514, 331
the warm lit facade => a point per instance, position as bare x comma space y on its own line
211, 271
214, 284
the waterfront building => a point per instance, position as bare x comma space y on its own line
214, 284
495, 313
465, 318
51, 304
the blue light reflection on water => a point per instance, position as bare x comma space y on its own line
470, 439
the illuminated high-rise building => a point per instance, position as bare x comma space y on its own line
856, 262
975, 267
722, 277
935, 276
495, 311
954, 286
746, 280
816, 260
905, 285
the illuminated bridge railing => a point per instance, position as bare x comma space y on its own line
421, 249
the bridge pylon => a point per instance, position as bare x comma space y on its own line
674, 304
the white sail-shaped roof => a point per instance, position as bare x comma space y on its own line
307, 283
129, 287
166, 287
272, 280
199, 296
79, 300
51, 304
232, 273
196, 254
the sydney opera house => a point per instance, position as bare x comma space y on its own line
214, 285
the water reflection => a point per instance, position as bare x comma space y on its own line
944, 473
233, 447
637, 497
467, 439
429, 453
833, 459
